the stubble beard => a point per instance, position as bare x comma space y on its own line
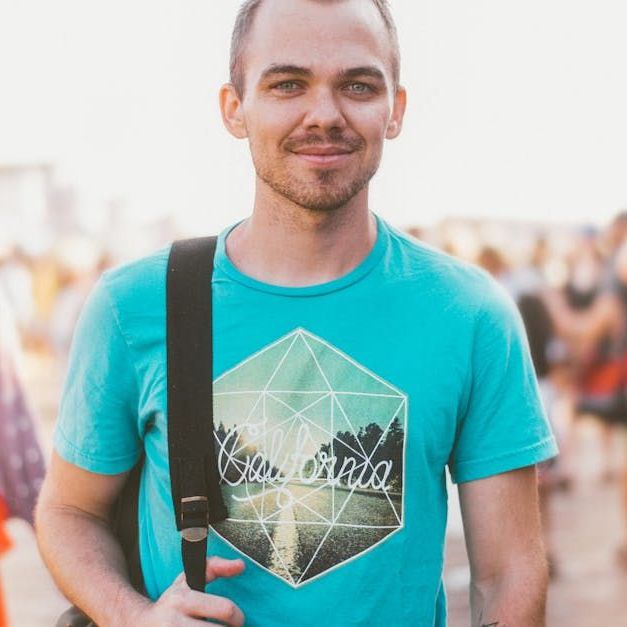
328, 192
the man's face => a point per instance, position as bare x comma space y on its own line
319, 99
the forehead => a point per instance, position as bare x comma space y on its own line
324, 36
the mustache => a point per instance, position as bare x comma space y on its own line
336, 140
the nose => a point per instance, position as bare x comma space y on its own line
324, 111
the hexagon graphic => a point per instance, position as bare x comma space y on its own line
311, 455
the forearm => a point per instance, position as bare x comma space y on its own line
584, 328
87, 564
516, 599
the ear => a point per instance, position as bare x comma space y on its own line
395, 124
232, 112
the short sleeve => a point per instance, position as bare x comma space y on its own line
97, 427
503, 425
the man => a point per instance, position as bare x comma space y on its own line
353, 365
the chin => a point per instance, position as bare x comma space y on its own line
322, 205
321, 196
332, 200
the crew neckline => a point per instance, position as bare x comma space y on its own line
356, 274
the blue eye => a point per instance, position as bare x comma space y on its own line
287, 86
359, 88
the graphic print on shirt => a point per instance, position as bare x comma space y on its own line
310, 448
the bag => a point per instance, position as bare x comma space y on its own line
194, 478
603, 389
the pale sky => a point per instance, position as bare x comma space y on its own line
516, 109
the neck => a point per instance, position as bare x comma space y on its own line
282, 243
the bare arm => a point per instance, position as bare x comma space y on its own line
503, 538
73, 532
584, 328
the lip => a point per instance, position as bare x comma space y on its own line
323, 155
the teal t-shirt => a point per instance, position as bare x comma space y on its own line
337, 410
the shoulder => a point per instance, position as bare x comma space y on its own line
453, 282
138, 284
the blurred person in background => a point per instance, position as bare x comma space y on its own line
493, 261
416, 232
5, 545
586, 276
586, 270
592, 316
526, 284
74, 284
16, 283
21, 460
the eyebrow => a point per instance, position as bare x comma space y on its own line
367, 70
277, 69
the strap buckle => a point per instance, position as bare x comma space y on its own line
194, 518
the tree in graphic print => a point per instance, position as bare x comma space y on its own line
389, 452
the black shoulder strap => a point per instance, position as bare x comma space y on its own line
193, 467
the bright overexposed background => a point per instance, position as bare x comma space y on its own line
517, 109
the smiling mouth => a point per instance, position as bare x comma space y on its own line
323, 155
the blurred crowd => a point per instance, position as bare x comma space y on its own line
45, 294
569, 283
570, 286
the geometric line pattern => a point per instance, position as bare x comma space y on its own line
310, 451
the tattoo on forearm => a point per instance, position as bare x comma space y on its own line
494, 624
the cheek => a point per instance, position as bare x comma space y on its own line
271, 124
372, 126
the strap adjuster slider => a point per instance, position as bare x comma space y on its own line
194, 518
